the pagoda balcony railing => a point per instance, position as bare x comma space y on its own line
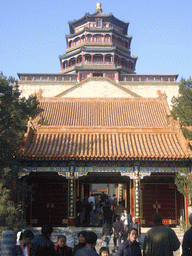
68, 68
88, 44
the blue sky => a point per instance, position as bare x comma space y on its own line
32, 33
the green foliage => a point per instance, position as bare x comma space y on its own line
10, 213
184, 226
15, 112
14, 115
182, 106
183, 182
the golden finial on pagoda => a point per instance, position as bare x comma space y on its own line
98, 7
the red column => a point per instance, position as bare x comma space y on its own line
104, 59
91, 58
78, 76
132, 210
117, 76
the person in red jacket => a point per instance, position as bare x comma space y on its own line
62, 249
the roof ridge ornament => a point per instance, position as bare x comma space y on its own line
38, 94
98, 7
175, 124
162, 95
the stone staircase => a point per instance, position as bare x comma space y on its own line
72, 238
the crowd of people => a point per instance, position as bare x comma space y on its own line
160, 240
103, 205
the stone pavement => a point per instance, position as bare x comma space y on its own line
72, 239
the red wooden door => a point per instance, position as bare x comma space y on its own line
49, 204
159, 198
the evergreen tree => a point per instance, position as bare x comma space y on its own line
15, 112
182, 106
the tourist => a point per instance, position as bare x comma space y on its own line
62, 249
42, 244
89, 248
130, 246
118, 232
78, 212
23, 247
136, 225
104, 251
114, 201
160, 239
126, 220
82, 242
187, 240
91, 199
119, 209
107, 231
86, 211
107, 212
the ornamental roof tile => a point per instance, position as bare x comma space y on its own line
116, 112
90, 145
105, 128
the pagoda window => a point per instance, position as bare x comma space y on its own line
126, 44
114, 39
83, 39
99, 23
130, 65
120, 41
108, 59
76, 41
71, 62
87, 58
123, 62
65, 64
70, 44
98, 38
79, 59
89, 38
107, 38
98, 59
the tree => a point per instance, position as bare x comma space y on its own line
182, 107
184, 186
15, 112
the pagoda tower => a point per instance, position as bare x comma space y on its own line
98, 46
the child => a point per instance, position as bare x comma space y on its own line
22, 247
130, 246
62, 249
104, 251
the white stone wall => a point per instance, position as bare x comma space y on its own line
150, 91
97, 89
49, 90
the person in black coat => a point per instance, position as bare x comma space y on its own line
42, 244
82, 242
130, 247
89, 248
187, 240
118, 232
